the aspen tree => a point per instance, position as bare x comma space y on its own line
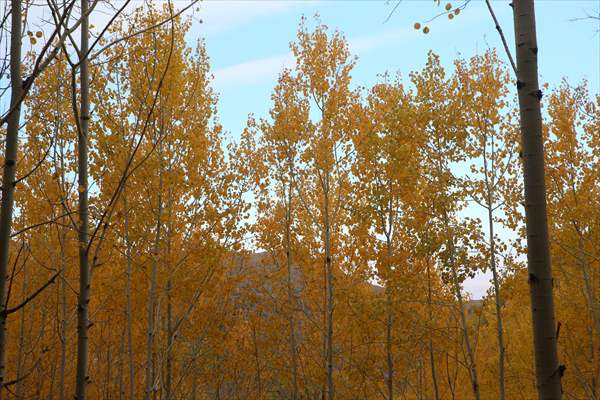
83, 322
281, 147
445, 130
387, 169
9, 169
548, 371
484, 87
324, 64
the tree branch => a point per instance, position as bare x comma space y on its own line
9, 311
502, 37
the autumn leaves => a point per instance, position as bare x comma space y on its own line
363, 205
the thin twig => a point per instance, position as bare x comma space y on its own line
392, 12
32, 296
51, 221
501, 33
142, 31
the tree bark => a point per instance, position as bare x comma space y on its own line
19, 376
389, 323
258, 378
150, 367
497, 299
121, 370
548, 372
430, 317
328, 296
465, 328
64, 323
291, 295
82, 169
9, 169
170, 333
490, 183
129, 311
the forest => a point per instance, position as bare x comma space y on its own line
321, 253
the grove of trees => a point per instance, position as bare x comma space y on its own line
319, 254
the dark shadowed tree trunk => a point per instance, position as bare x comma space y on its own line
548, 372
9, 169
290, 291
82, 169
430, 319
129, 310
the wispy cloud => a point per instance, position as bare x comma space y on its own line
267, 69
253, 71
264, 69
381, 39
223, 15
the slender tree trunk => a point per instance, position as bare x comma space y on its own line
291, 295
121, 370
150, 367
257, 362
108, 373
328, 296
131, 366
64, 323
20, 380
169, 343
489, 206
194, 379
9, 169
430, 318
52, 380
497, 299
41, 374
548, 373
590, 297
465, 329
167, 261
82, 169
389, 324
452, 376
590, 294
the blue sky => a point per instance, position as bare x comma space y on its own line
248, 44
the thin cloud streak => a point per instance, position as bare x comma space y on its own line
260, 70
252, 72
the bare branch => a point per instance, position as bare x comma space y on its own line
141, 31
32, 296
501, 33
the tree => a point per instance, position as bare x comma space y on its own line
548, 371
387, 170
323, 67
281, 148
491, 145
445, 128
9, 168
572, 135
